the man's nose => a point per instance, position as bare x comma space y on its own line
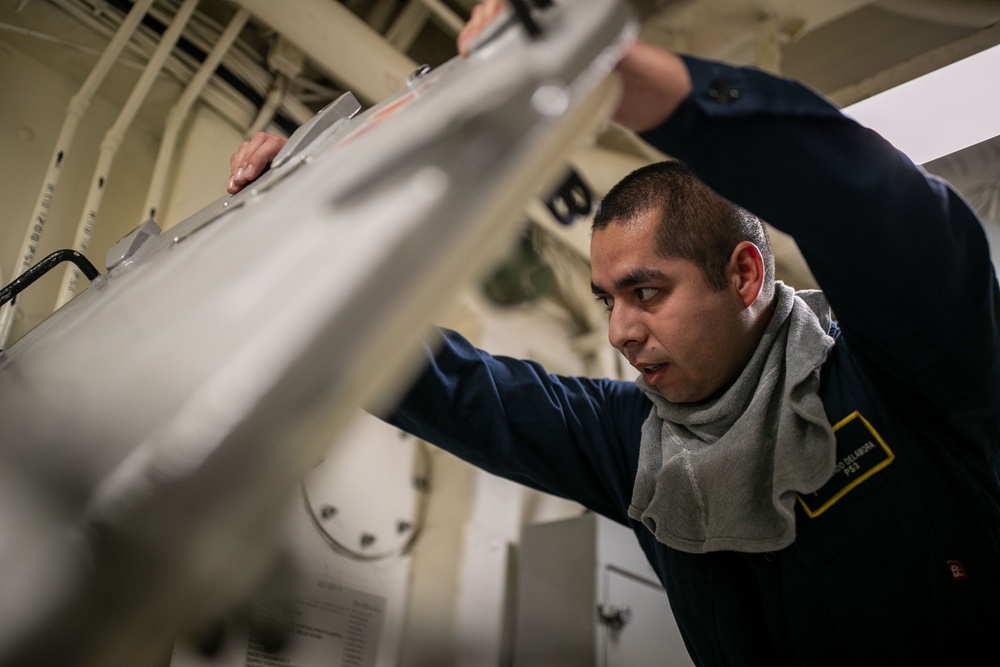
624, 327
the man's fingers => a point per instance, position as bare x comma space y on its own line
481, 16
236, 162
252, 158
236, 159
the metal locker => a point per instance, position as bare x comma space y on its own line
587, 596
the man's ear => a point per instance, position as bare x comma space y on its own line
745, 271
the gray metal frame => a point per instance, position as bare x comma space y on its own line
153, 427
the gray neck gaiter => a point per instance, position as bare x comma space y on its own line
723, 474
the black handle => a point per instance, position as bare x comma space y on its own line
16, 286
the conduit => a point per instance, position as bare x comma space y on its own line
222, 98
272, 102
112, 141
287, 61
180, 110
347, 49
202, 33
408, 24
406, 28
446, 16
78, 106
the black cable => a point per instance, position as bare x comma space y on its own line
18, 285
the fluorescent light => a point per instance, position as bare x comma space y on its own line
941, 112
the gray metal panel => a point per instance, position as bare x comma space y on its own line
571, 573
556, 593
650, 637
157, 422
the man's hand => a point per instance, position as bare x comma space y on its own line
482, 15
654, 81
252, 158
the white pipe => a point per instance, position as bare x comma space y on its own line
273, 101
52, 39
231, 105
223, 98
180, 110
348, 50
112, 141
408, 24
78, 106
446, 16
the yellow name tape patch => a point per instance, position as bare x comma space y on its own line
861, 453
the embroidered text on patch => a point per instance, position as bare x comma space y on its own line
861, 453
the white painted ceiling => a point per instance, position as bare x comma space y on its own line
847, 49
833, 45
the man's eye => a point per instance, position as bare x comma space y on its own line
645, 293
606, 301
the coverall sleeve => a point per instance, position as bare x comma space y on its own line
902, 259
573, 437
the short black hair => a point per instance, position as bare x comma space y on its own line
696, 223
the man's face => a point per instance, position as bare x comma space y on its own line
685, 338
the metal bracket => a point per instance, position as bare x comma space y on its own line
342, 108
129, 244
614, 616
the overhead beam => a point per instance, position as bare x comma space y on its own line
918, 66
342, 45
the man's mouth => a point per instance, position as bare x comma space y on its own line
650, 369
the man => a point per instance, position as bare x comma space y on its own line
809, 492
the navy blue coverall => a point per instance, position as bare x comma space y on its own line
897, 559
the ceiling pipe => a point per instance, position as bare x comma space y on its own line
959, 13
343, 46
112, 141
223, 98
265, 115
918, 66
180, 110
407, 26
445, 16
287, 61
75, 112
